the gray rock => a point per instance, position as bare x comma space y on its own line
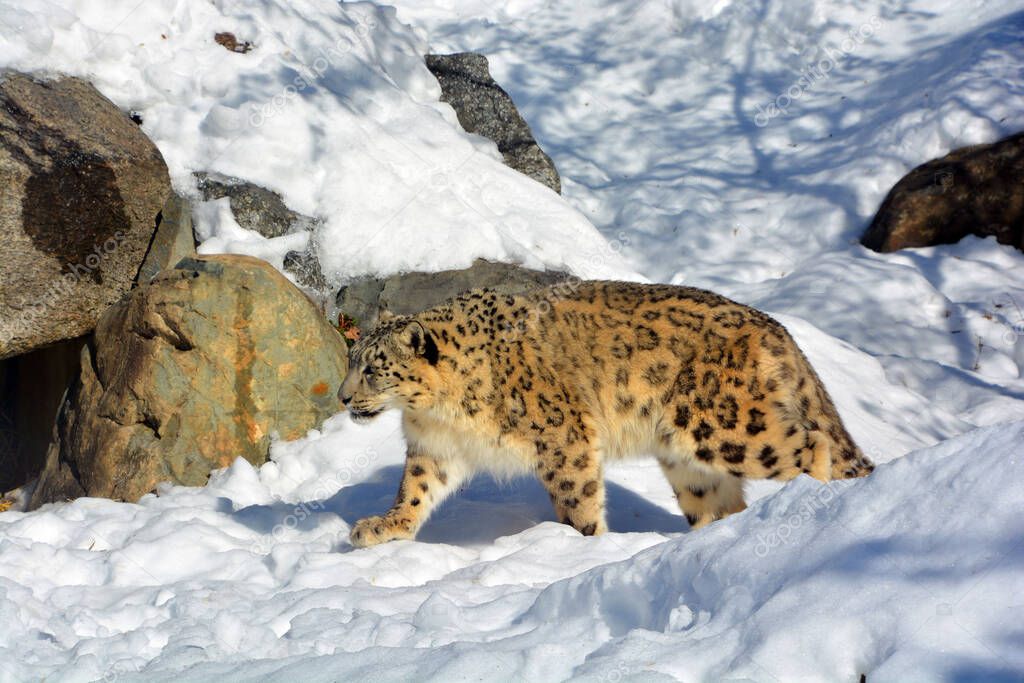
360, 299
305, 267
200, 365
173, 241
975, 190
254, 207
410, 293
80, 189
484, 108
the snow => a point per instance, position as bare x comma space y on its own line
899, 574
333, 108
675, 168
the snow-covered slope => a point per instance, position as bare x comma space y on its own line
734, 141
658, 115
333, 108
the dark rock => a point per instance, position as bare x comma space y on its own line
410, 293
9, 460
32, 387
254, 207
971, 191
484, 108
173, 240
80, 190
190, 370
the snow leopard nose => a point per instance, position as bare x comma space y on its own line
343, 397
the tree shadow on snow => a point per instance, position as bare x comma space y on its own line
755, 65
984, 672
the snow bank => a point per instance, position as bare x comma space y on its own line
890, 576
906, 575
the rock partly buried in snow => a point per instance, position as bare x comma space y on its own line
971, 191
229, 42
191, 370
254, 207
173, 241
484, 108
304, 266
80, 190
408, 293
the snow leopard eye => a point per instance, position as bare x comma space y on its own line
368, 371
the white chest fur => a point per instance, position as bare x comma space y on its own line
463, 440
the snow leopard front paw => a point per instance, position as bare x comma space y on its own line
374, 530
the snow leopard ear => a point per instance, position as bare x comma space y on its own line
418, 341
384, 315
413, 337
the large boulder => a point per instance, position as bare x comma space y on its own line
80, 190
407, 293
484, 108
971, 191
204, 363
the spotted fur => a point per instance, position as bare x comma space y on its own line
561, 380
